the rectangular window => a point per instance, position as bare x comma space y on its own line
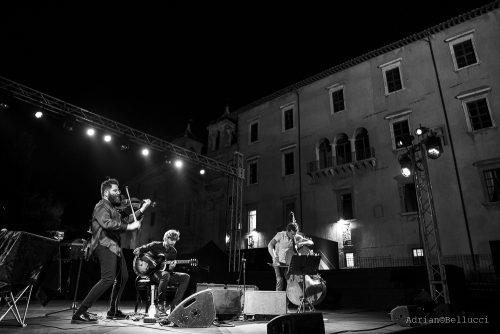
346, 211
464, 54
477, 108
254, 131
492, 184
401, 132
489, 175
349, 260
288, 119
391, 72
288, 163
462, 50
337, 102
479, 114
418, 256
409, 201
393, 79
252, 172
252, 220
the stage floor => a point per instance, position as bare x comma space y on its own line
335, 321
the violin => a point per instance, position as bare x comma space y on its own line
126, 205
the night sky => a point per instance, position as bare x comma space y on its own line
157, 67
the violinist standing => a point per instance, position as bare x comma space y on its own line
107, 224
282, 243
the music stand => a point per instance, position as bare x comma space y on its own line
79, 253
304, 265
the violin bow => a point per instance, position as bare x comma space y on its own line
130, 202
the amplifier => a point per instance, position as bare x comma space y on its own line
265, 302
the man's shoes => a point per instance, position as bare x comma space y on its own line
160, 309
116, 315
83, 318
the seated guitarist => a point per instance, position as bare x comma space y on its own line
282, 243
165, 251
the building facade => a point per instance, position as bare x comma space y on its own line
327, 148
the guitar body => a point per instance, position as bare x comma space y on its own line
146, 264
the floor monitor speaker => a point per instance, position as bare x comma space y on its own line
197, 310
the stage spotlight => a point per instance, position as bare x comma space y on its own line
202, 171
228, 238
433, 146
145, 152
107, 138
69, 122
90, 132
4, 106
421, 130
406, 165
38, 114
178, 163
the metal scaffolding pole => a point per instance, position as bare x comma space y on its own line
428, 226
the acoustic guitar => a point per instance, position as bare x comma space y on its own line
146, 264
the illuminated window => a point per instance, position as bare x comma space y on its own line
252, 220
349, 260
418, 256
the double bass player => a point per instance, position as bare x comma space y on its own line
279, 246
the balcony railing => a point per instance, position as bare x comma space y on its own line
363, 159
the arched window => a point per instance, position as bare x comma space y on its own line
343, 149
362, 144
325, 154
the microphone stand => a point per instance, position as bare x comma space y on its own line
243, 263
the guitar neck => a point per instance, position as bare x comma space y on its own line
178, 261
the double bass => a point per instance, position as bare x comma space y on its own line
315, 286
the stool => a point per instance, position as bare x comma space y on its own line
143, 284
